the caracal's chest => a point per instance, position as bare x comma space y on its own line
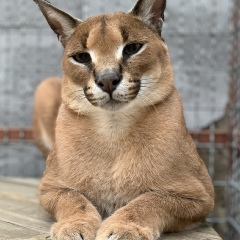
111, 175
113, 163
111, 185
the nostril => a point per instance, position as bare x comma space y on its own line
100, 84
115, 82
109, 81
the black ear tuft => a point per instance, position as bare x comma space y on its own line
36, 1
151, 12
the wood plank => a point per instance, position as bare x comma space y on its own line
23, 207
22, 218
39, 226
204, 232
9, 231
39, 237
34, 182
19, 190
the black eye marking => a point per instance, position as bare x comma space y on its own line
83, 58
131, 49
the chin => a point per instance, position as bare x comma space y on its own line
113, 105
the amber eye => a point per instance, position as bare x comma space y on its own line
83, 58
132, 48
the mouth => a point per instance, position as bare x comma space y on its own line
106, 102
115, 100
113, 105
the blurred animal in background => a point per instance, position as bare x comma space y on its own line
123, 165
47, 101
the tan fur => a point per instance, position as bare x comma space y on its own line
129, 162
47, 100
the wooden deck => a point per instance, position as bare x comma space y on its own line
21, 217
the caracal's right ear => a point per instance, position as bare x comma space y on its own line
61, 23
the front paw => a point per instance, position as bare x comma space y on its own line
120, 230
73, 230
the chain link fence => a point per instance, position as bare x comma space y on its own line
234, 116
202, 36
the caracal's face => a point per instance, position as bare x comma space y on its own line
112, 62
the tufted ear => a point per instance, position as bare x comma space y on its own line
151, 12
61, 23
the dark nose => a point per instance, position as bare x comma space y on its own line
108, 82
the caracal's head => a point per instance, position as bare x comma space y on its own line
113, 62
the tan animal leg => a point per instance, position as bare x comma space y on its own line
76, 217
152, 213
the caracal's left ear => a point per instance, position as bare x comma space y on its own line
151, 12
61, 23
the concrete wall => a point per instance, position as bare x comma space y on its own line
196, 32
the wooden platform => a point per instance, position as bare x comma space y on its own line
21, 217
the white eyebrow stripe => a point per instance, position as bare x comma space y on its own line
93, 56
120, 51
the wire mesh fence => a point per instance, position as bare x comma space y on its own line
234, 116
202, 37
